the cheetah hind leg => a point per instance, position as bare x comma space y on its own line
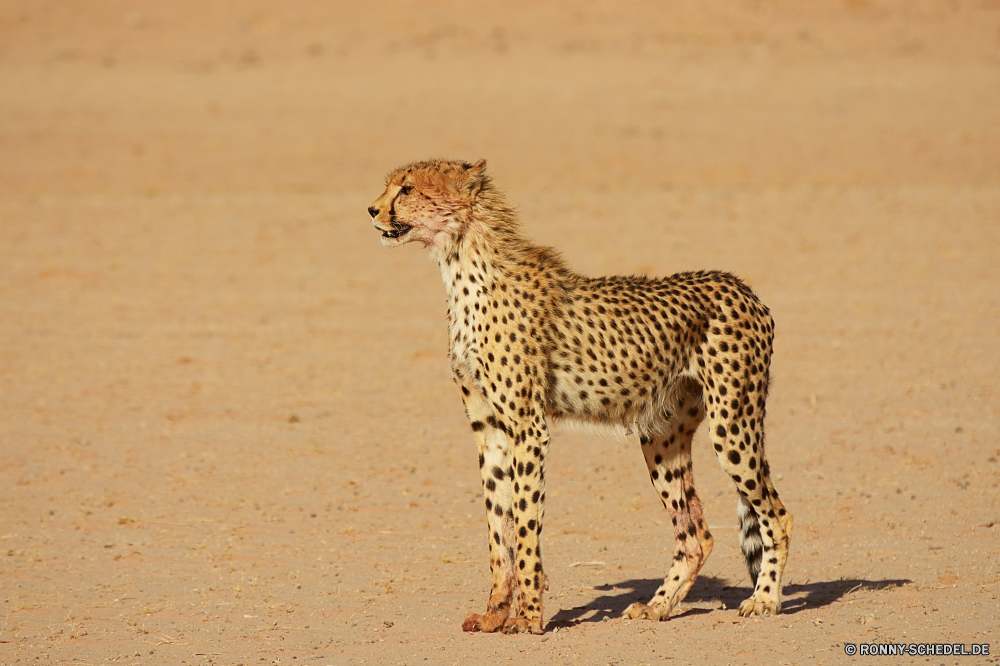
777, 524
669, 461
765, 536
750, 542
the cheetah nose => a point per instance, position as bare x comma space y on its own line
373, 211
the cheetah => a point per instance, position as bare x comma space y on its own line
532, 341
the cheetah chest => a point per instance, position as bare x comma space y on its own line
467, 305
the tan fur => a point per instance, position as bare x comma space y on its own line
531, 340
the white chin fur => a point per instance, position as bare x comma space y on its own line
392, 242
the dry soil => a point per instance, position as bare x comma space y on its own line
228, 433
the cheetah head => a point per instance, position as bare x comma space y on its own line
427, 202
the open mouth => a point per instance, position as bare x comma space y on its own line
398, 229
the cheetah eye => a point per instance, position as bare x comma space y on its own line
407, 189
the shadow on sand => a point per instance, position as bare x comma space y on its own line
795, 598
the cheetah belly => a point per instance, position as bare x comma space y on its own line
599, 392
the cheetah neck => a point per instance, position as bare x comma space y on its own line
469, 267
476, 255
481, 263
491, 253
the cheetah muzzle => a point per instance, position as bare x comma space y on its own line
391, 236
532, 341
398, 230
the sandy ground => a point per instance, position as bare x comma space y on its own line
228, 433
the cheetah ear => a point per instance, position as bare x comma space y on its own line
475, 177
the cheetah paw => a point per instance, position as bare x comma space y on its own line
492, 621
638, 611
756, 606
522, 625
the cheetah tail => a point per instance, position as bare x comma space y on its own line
750, 541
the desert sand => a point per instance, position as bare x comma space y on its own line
228, 433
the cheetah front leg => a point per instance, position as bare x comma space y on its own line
512, 388
517, 401
530, 439
497, 471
